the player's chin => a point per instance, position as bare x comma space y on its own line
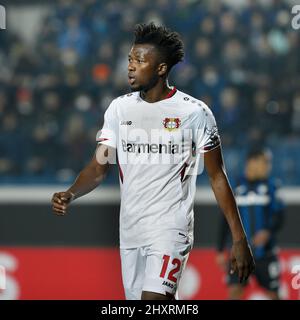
135, 87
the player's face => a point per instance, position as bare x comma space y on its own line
264, 166
143, 67
259, 167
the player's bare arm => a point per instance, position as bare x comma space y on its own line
88, 179
241, 256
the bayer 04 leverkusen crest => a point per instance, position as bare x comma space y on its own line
171, 123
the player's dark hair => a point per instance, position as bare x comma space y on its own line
258, 151
166, 41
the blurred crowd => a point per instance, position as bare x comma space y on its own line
242, 61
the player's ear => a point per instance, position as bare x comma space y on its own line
162, 69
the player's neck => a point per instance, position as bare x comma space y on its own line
254, 177
159, 92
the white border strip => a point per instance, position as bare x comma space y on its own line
107, 195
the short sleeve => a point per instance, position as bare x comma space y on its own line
208, 135
108, 134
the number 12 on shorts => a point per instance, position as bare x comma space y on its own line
171, 275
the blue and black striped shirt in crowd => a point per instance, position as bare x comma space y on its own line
261, 208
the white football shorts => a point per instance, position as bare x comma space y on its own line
155, 268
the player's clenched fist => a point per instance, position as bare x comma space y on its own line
60, 202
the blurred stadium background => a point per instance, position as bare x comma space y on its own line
62, 62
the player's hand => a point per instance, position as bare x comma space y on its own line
242, 259
261, 238
60, 202
221, 260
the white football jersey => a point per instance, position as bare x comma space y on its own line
160, 150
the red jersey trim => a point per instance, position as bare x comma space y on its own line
102, 139
120, 170
171, 93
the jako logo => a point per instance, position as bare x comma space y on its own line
2, 278
296, 278
296, 19
2, 17
126, 123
